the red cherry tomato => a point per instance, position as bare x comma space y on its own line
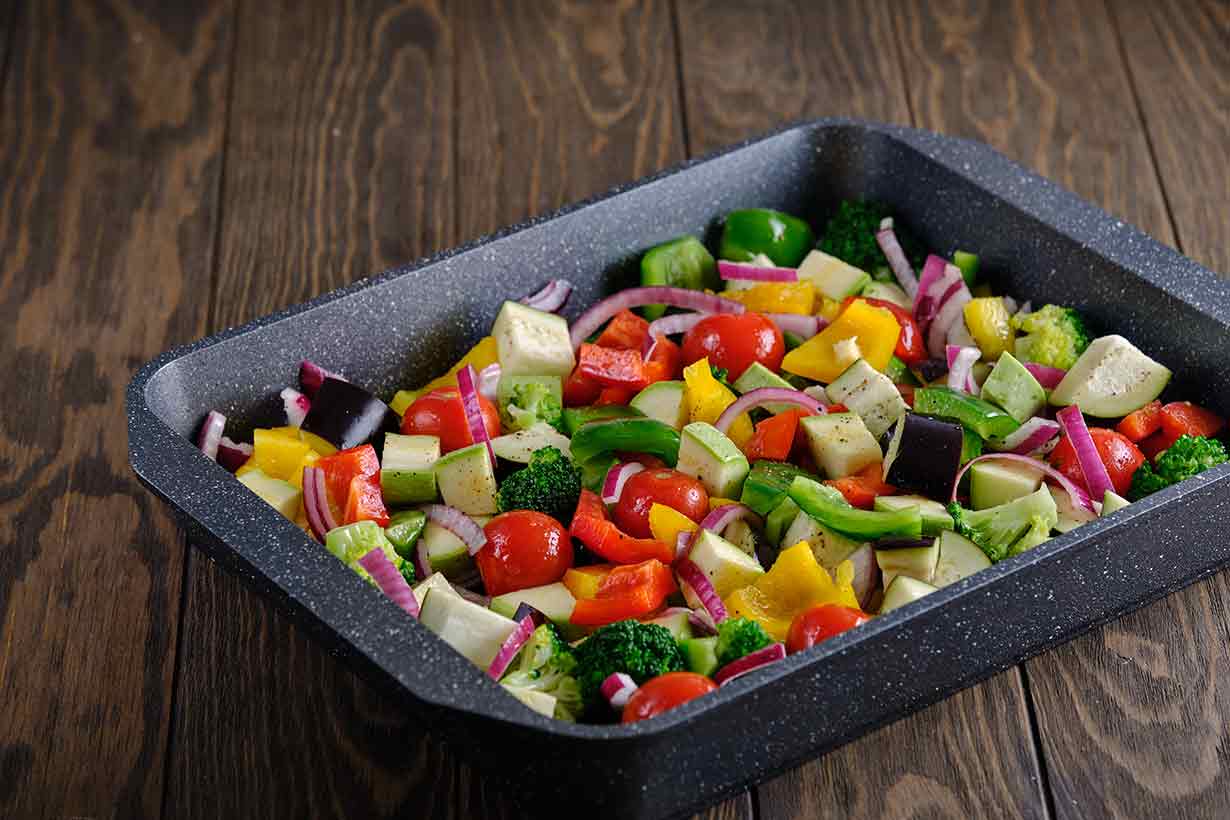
665, 692
1118, 453
820, 623
439, 413
524, 549
735, 342
649, 487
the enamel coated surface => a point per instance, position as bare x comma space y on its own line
1037, 241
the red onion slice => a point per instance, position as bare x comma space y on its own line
755, 273
233, 455
961, 362
296, 405
312, 376
391, 582
616, 478
551, 298
924, 299
596, 316
950, 312
211, 434
316, 503
886, 238
509, 649
458, 523
1048, 377
422, 562
683, 543
803, 326
702, 623
1079, 497
698, 582
667, 326
766, 395
761, 657
489, 381
1097, 480
467, 386
617, 688
1030, 436
722, 517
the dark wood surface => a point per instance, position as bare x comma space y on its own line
167, 170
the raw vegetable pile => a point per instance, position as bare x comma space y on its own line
735, 460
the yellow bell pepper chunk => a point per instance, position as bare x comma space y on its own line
583, 582
861, 331
481, 355
715, 502
777, 297
990, 324
296, 475
794, 584
828, 309
666, 523
277, 454
320, 445
707, 398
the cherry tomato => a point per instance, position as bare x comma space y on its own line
439, 413
669, 487
820, 623
524, 549
665, 692
1118, 453
735, 341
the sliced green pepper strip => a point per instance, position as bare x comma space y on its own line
967, 263
679, 263
827, 506
626, 435
971, 445
767, 484
783, 238
574, 418
593, 472
404, 530
982, 417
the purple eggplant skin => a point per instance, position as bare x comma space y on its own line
346, 416
534, 612
929, 370
929, 457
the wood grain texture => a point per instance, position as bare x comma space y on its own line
1134, 716
748, 67
841, 58
109, 149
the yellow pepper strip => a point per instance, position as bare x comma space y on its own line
795, 584
319, 445
862, 331
828, 309
481, 355
777, 297
707, 398
666, 523
296, 475
276, 454
990, 324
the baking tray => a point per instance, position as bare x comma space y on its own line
1036, 240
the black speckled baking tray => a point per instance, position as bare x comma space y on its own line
1036, 240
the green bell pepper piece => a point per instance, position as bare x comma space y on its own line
971, 445
679, 263
593, 472
827, 506
767, 484
574, 418
783, 238
982, 417
404, 530
626, 435
967, 263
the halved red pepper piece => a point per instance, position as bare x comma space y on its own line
612, 368
592, 528
774, 436
665, 362
343, 467
861, 489
580, 390
1143, 423
1181, 418
911, 347
626, 331
614, 395
632, 591
365, 501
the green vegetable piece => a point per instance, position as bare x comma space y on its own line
982, 417
850, 235
1056, 336
637, 435
827, 506
971, 445
527, 400
679, 263
404, 530
768, 483
778, 521
550, 484
967, 263
1188, 456
351, 542
547, 665
738, 637
700, 655
1014, 388
641, 651
593, 472
996, 530
783, 238
899, 372
574, 418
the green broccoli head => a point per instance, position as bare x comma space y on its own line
642, 651
997, 530
407, 571
531, 403
1038, 532
1056, 336
1185, 458
551, 484
546, 665
851, 236
738, 637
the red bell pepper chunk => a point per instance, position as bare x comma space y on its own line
1181, 418
592, 528
365, 501
626, 331
861, 489
911, 347
612, 368
668, 356
580, 390
627, 592
774, 436
1143, 423
614, 395
344, 466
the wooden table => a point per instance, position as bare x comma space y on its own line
168, 170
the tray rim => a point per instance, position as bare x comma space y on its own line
1197, 289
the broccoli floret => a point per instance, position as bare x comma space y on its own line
407, 571
530, 403
851, 236
997, 530
1185, 458
738, 637
1056, 336
642, 651
546, 665
551, 484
